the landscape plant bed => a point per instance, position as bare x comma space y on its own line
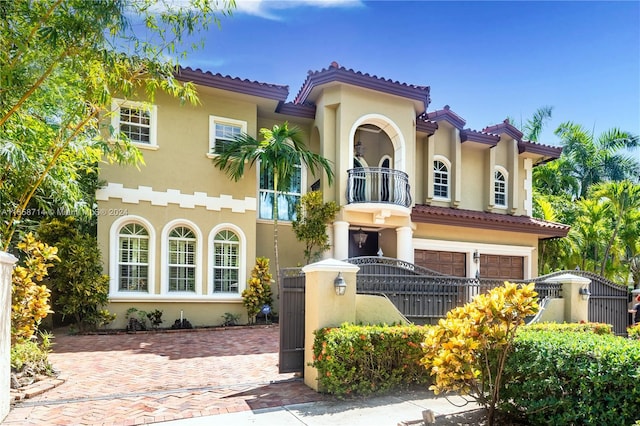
173, 330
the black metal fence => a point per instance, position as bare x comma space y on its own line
424, 296
378, 185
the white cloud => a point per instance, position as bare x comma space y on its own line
265, 8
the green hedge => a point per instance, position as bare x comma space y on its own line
568, 378
582, 327
363, 360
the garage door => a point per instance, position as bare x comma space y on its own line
445, 262
501, 267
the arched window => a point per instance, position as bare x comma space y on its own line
182, 259
500, 189
440, 179
226, 262
133, 258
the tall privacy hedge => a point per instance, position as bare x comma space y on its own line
572, 378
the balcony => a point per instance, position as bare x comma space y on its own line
378, 185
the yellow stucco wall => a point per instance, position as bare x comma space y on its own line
180, 165
347, 107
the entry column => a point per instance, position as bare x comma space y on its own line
404, 243
324, 307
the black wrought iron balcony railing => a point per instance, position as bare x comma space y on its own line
378, 185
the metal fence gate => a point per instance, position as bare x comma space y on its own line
291, 320
608, 302
424, 296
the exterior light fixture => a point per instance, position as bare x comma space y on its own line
476, 257
340, 285
360, 237
584, 292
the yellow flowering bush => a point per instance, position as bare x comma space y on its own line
258, 292
29, 299
467, 350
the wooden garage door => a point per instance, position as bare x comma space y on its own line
445, 262
501, 267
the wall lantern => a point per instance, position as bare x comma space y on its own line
360, 237
585, 293
476, 257
340, 285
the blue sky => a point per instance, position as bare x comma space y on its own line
487, 60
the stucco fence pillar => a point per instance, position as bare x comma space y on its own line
6, 266
574, 306
323, 307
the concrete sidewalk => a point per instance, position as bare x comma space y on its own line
403, 408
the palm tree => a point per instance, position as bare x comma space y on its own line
533, 126
593, 160
588, 233
623, 199
280, 151
554, 178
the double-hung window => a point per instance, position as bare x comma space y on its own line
226, 262
500, 189
182, 260
287, 198
222, 131
440, 179
136, 121
133, 258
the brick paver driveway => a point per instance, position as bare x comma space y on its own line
129, 379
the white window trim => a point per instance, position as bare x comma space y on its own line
447, 163
164, 258
303, 190
116, 104
114, 247
242, 269
505, 174
213, 120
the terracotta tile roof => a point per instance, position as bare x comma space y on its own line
343, 75
447, 115
234, 84
480, 137
298, 110
547, 151
484, 220
504, 127
425, 125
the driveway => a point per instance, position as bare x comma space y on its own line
129, 379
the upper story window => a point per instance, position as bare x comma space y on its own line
133, 258
226, 262
287, 198
136, 120
182, 259
500, 188
223, 130
441, 179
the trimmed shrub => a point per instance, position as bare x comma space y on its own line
363, 360
583, 327
634, 331
572, 379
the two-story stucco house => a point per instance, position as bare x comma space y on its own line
412, 183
